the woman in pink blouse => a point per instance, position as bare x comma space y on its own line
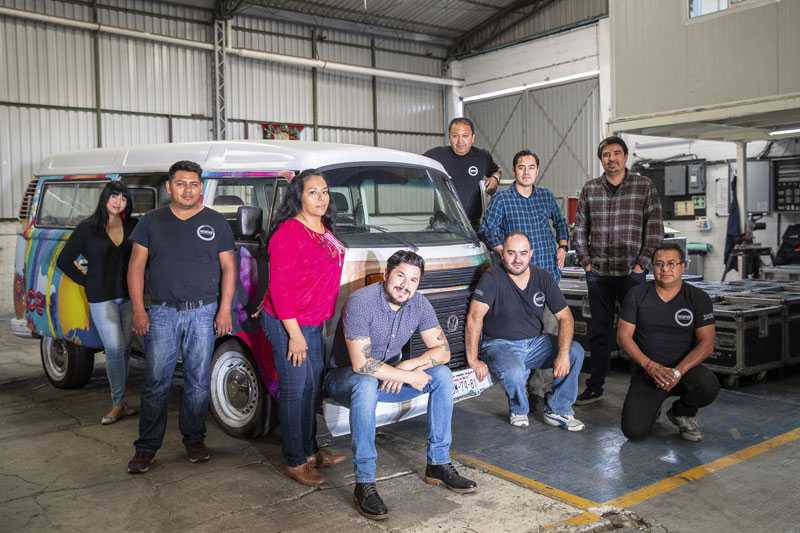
305, 267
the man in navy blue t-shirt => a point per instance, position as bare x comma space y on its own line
667, 328
188, 250
507, 308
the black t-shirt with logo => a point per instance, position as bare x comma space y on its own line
183, 255
665, 330
515, 313
466, 171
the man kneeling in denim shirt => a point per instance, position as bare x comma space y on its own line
507, 307
366, 368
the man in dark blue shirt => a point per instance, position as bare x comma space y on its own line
507, 308
531, 210
188, 249
667, 328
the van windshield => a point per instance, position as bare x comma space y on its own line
389, 206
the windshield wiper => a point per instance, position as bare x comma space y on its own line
386, 232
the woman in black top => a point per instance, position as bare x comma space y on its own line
102, 240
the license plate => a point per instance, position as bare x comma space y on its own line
466, 384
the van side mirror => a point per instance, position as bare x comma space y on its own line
248, 221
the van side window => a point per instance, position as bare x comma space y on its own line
233, 193
65, 204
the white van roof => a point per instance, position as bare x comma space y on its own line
216, 156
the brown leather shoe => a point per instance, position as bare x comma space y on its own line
324, 458
305, 474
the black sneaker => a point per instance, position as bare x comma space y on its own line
369, 503
589, 396
448, 476
141, 462
197, 452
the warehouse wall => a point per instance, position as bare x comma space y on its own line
152, 92
665, 61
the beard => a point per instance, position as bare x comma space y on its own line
392, 299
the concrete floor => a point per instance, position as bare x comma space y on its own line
60, 470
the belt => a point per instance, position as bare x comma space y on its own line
181, 306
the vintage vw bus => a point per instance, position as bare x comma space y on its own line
385, 200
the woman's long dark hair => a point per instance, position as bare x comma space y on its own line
99, 219
293, 202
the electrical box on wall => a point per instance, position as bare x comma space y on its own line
675, 180
697, 179
759, 187
787, 185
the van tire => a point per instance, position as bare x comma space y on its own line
66, 365
239, 403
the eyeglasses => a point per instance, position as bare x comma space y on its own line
668, 265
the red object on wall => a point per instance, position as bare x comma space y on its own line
572, 209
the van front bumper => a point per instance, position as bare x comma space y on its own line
19, 327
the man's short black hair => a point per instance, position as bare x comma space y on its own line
665, 246
186, 166
521, 154
461, 120
611, 140
408, 257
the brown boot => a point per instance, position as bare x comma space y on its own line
305, 474
324, 458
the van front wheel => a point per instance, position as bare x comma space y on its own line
66, 365
239, 403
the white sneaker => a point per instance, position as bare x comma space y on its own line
568, 422
520, 421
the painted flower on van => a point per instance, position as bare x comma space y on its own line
19, 295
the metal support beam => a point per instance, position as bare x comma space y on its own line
314, 85
374, 94
741, 189
97, 85
490, 25
220, 113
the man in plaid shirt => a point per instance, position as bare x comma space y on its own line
618, 226
530, 210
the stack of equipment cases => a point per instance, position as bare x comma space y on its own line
577, 295
787, 296
750, 338
781, 273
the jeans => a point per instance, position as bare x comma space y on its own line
299, 388
361, 394
191, 332
696, 389
114, 322
604, 293
511, 361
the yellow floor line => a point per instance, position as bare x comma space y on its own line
532, 484
699, 472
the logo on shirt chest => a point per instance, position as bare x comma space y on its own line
206, 232
684, 317
539, 299
472, 171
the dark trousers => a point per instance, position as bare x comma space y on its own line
299, 388
698, 388
604, 293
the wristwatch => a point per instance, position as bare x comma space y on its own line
676, 373
564, 247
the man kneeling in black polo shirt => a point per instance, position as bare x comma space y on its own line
667, 327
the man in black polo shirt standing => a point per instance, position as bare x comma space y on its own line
508, 309
467, 165
667, 327
187, 247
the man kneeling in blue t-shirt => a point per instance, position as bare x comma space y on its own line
507, 308
366, 368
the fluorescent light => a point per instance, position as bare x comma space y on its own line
538, 84
785, 132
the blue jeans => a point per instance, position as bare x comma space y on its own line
299, 390
114, 322
511, 361
361, 394
191, 332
